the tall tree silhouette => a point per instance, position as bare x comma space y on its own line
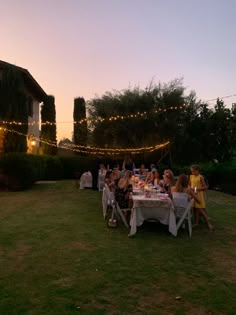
48, 130
80, 129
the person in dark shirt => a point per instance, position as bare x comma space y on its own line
123, 190
128, 164
94, 170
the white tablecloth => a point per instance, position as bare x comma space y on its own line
152, 208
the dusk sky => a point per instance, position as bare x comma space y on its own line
87, 47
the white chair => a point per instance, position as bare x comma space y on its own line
86, 180
108, 199
183, 209
101, 182
120, 212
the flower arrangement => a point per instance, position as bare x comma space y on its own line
141, 185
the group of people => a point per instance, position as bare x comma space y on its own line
193, 186
120, 183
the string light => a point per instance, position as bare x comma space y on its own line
221, 98
149, 148
108, 119
95, 150
116, 151
96, 120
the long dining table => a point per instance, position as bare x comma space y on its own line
152, 207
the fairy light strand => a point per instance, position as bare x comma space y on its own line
139, 114
95, 150
111, 118
117, 149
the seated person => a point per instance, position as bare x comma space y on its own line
110, 181
152, 165
86, 180
167, 182
116, 176
116, 171
143, 171
182, 193
123, 190
153, 178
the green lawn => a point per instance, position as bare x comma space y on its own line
58, 257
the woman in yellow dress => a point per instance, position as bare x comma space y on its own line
198, 185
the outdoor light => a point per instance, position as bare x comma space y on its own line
33, 143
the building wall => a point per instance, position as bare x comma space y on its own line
33, 130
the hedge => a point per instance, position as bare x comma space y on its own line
220, 176
18, 171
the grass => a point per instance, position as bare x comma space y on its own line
58, 257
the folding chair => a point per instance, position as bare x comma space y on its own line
108, 199
101, 183
185, 214
120, 213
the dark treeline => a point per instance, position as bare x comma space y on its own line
197, 132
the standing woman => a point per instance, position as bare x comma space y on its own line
128, 164
198, 185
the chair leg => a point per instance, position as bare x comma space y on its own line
120, 213
189, 225
113, 213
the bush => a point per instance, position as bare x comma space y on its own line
18, 169
220, 176
39, 164
76, 164
53, 168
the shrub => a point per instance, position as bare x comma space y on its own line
76, 164
220, 176
18, 169
53, 168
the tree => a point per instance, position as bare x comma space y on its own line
158, 123
65, 141
80, 129
196, 133
48, 130
233, 128
184, 145
221, 133
14, 107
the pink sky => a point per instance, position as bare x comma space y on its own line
87, 47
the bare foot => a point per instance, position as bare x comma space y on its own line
211, 227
